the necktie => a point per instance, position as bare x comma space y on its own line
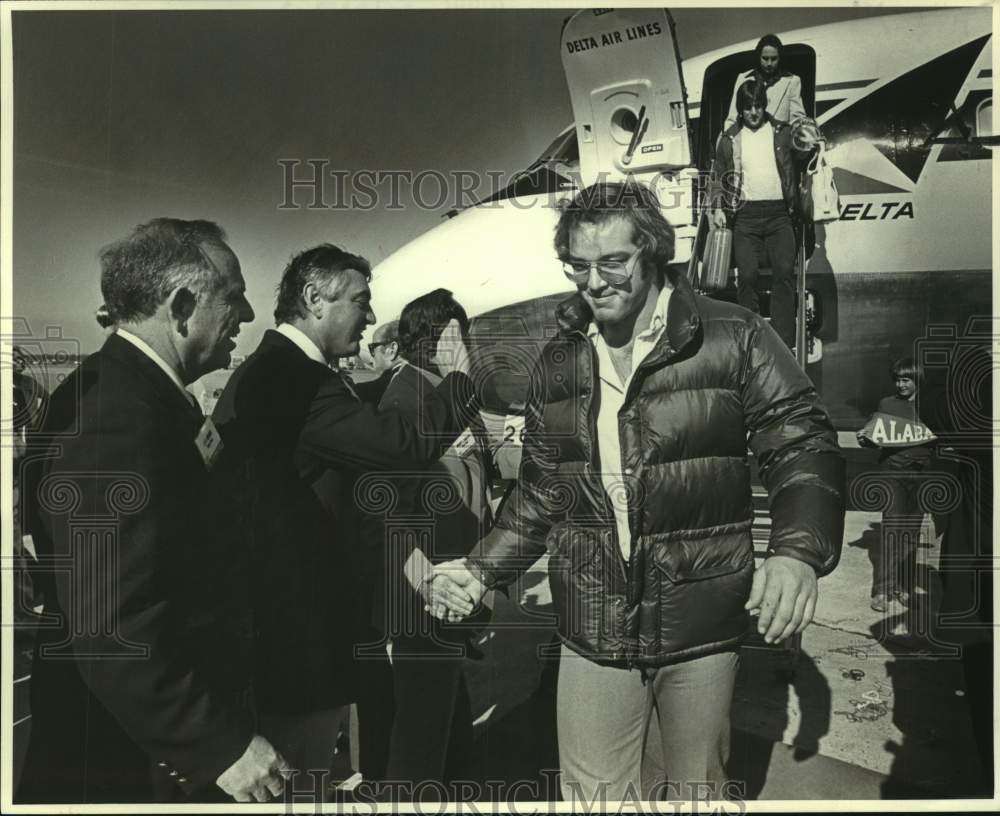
195, 405
349, 383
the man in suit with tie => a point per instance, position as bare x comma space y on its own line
140, 682
784, 89
305, 436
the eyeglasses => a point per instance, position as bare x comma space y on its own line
614, 272
373, 346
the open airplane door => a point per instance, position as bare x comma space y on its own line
630, 106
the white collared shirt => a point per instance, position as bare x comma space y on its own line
612, 398
303, 341
311, 350
147, 349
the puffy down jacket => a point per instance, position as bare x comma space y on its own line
718, 378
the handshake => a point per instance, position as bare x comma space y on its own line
451, 592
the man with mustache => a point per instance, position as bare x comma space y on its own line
139, 691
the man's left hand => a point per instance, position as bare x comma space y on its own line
784, 593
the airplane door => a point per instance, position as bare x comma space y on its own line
627, 91
720, 83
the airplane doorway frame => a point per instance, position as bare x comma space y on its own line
720, 81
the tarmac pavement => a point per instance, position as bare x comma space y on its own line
857, 714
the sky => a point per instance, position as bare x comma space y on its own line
120, 117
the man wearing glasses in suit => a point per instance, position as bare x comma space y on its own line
386, 360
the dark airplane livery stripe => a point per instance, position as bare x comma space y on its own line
844, 86
823, 105
900, 117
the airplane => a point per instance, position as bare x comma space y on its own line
904, 103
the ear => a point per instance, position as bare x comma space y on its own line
313, 299
393, 348
181, 304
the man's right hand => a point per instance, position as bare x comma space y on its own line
451, 354
257, 775
441, 591
462, 599
719, 219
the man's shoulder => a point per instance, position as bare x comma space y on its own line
275, 363
107, 385
722, 319
729, 133
371, 391
109, 415
405, 377
404, 386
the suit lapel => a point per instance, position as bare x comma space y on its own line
153, 377
183, 420
783, 82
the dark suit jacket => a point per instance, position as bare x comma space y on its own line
373, 390
305, 438
446, 501
139, 690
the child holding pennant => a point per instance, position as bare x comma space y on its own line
904, 441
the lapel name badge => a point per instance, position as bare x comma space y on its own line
208, 442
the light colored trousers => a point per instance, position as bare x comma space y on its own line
604, 719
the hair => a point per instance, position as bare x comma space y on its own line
325, 266
749, 93
140, 271
769, 40
906, 367
422, 323
387, 332
630, 201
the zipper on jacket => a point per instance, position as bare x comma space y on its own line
589, 468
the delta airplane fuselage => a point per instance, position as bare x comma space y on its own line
905, 104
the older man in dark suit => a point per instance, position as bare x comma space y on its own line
306, 436
140, 686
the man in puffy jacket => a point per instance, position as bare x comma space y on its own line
635, 480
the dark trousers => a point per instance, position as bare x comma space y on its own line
416, 718
896, 564
762, 235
